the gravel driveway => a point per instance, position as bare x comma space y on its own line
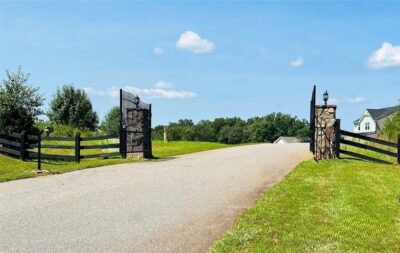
179, 205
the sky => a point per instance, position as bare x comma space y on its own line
202, 60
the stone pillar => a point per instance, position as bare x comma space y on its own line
135, 126
325, 118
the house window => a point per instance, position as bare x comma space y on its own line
366, 125
359, 128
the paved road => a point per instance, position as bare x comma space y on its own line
179, 205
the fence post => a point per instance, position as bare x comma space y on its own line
398, 148
39, 165
122, 142
78, 147
150, 137
337, 138
23, 146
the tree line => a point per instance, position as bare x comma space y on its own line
236, 130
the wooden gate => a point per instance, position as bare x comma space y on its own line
312, 121
135, 125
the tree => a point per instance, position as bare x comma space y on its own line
224, 134
20, 103
392, 127
236, 135
110, 124
204, 131
72, 107
185, 123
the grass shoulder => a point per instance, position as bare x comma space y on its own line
328, 206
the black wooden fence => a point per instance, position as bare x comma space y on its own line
31, 146
349, 138
13, 144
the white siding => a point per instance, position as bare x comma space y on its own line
361, 127
281, 141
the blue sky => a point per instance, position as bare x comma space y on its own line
202, 60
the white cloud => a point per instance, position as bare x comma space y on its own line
192, 42
164, 85
356, 100
385, 57
162, 90
93, 91
297, 62
158, 51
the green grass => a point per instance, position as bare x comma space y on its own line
328, 206
11, 169
162, 149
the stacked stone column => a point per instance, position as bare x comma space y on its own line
325, 118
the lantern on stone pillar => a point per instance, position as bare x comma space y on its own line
326, 97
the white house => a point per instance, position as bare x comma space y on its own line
286, 139
372, 120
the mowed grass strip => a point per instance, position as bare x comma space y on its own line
11, 168
328, 206
163, 150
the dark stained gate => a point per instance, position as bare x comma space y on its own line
135, 125
312, 121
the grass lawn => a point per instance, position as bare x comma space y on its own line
329, 206
162, 149
11, 169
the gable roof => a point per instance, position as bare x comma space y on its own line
383, 112
287, 139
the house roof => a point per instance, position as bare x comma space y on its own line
383, 112
287, 139
377, 114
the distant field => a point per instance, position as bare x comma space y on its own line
11, 169
328, 206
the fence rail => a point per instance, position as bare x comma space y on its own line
12, 144
367, 138
372, 148
341, 139
31, 146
